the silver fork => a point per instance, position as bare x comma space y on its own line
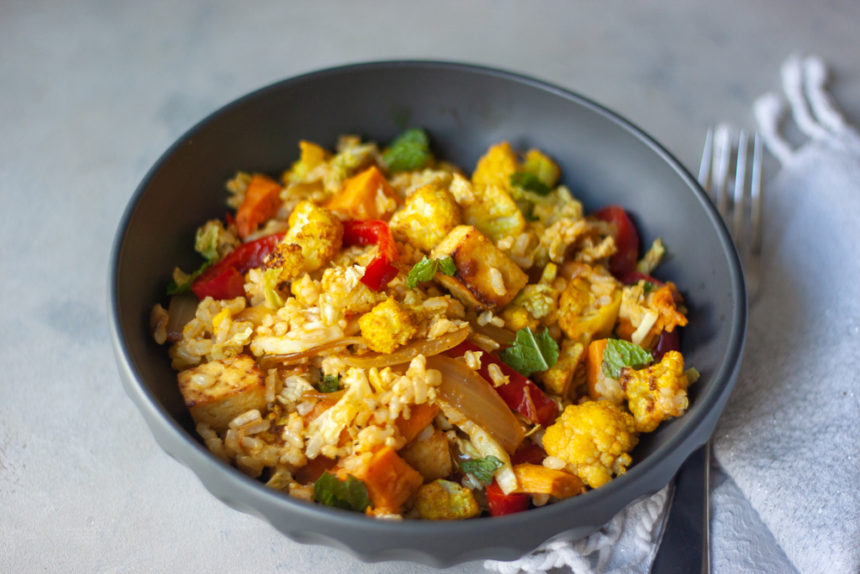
739, 200
737, 194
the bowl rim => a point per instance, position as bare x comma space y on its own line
696, 430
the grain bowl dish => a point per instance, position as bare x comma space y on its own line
379, 330
606, 161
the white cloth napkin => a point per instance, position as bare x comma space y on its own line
626, 545
790, 436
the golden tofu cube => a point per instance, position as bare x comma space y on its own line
431, 457
486, 278
218, 391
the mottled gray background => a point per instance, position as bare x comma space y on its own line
92, 92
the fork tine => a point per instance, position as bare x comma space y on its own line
722, 156
739, 201
756, 197
706, 161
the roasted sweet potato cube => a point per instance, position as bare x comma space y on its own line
537, 479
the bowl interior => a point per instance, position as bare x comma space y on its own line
465, 109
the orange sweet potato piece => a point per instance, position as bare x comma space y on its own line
262, 201
419, 417
357, 199
389, 479
537, 479
593, 364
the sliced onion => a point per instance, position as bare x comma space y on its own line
428, 348
269, 361
180, 311
475, 398
504, 337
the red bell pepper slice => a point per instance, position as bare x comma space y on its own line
501, 504
520, 394
667, 341
626, 240
225, 280
373, 232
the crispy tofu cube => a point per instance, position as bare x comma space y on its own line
427, 217
557, 378
486, 278
218, 391
387, 326
430, 457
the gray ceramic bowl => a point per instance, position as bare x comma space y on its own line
605, 160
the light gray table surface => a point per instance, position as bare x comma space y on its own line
92, 92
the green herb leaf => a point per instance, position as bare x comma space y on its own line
174, 289
647, 287
329, 384
447, 265
529, 182
481, 468
425, 269
530, 353
349, 494
619, 353
409, 151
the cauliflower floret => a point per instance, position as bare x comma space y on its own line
426, 217
314, 237
445, 500
656, 393
496, 166
387, 326
588, 306
594, 439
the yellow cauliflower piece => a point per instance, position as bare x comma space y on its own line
541, 166
426, 217
494, 213
656, 393
594, 439
496, 166
588, 306
445, 500
387, 326
314, 237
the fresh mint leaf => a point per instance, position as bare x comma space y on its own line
529, 182
619, 353
409, 151
425, 269
329, 384
531, 353
447, 265
349, 494
481, 468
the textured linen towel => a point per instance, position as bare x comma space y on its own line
790, 436
627, 544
